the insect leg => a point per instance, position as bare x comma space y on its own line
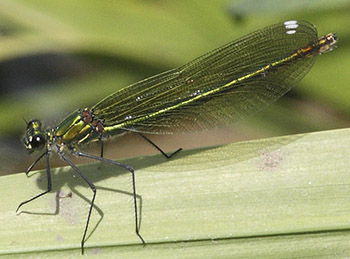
131, 170
102, 147
49, 186
34, 163
93, 188
158, 148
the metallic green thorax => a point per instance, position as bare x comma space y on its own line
79, 128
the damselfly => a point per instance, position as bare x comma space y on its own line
217, 88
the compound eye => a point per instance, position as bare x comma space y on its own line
37, 141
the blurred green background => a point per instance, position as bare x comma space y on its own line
57, 56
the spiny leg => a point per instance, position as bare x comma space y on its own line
49, 186
131, 170
158, 148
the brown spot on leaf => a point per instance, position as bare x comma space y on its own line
271, 160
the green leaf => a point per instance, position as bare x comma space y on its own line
278, 197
